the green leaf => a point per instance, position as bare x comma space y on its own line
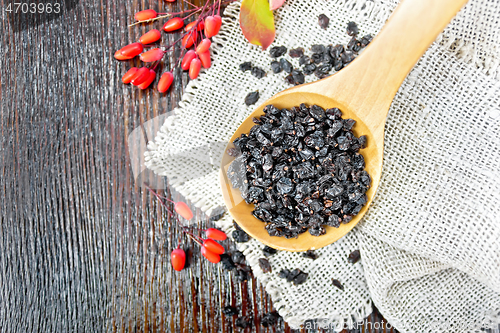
257, 22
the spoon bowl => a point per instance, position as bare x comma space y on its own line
363, 91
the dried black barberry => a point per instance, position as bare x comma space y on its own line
337, 284
352, 29
284, 273
219, 211
304, 60
300, 278
323, 21
289, 79
309, 69
243, 322
298, 77
246, 66
276, 67
318, 48
227, 262
347, 57
310, 254
230, 311
252, 98
365, 40
265, 266
269, 319
301, 169
277, 51
240, 236
258, 72
241, 275
296, 53
238, 257
269, 251
354, 257
286, 65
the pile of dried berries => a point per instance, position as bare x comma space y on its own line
195, 44
296, 276
301, 169
323, 60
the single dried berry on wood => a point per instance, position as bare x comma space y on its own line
270, 319
337, 284
243, 322
323, 21
277, 51
354, 257
246, 66
230, 311
265, 266
227, 262
252, 98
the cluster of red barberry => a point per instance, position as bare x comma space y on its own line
195, 43
210, 249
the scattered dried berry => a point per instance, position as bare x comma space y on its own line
240, 236
323, 21
352, 29
269, 251
298, 77
337, 284
258, 72
365, 40
252, 98
310, 254
300, 278
284, 273
243, 322
217, 213
277, 51
227, 262
286, 65
246, 66
238, 257
230, 311
354, 257
296, 53
301, 169
270, 319
276, 67
265, 265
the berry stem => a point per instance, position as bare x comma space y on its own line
193, 238
163, 15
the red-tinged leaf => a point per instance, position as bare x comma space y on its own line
275, 4
257, 22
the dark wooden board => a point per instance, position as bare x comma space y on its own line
82, 246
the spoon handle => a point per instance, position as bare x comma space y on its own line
373, 79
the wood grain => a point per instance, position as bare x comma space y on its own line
82, 247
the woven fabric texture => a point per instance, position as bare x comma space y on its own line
430, 241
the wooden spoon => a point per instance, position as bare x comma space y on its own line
364, 91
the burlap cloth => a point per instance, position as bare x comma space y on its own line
430, 243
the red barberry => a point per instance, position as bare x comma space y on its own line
165, 81
186, 61
194, 68
178, 258
120, 56
127, 77
216, 234
212, 25
200, 26
170, 0
188, 40
149, 80
206, 62
173, 24
213, 246
152, 55
212, 257
145, 15
150, 37
203, 46
140, 76
183, 210
131, 50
